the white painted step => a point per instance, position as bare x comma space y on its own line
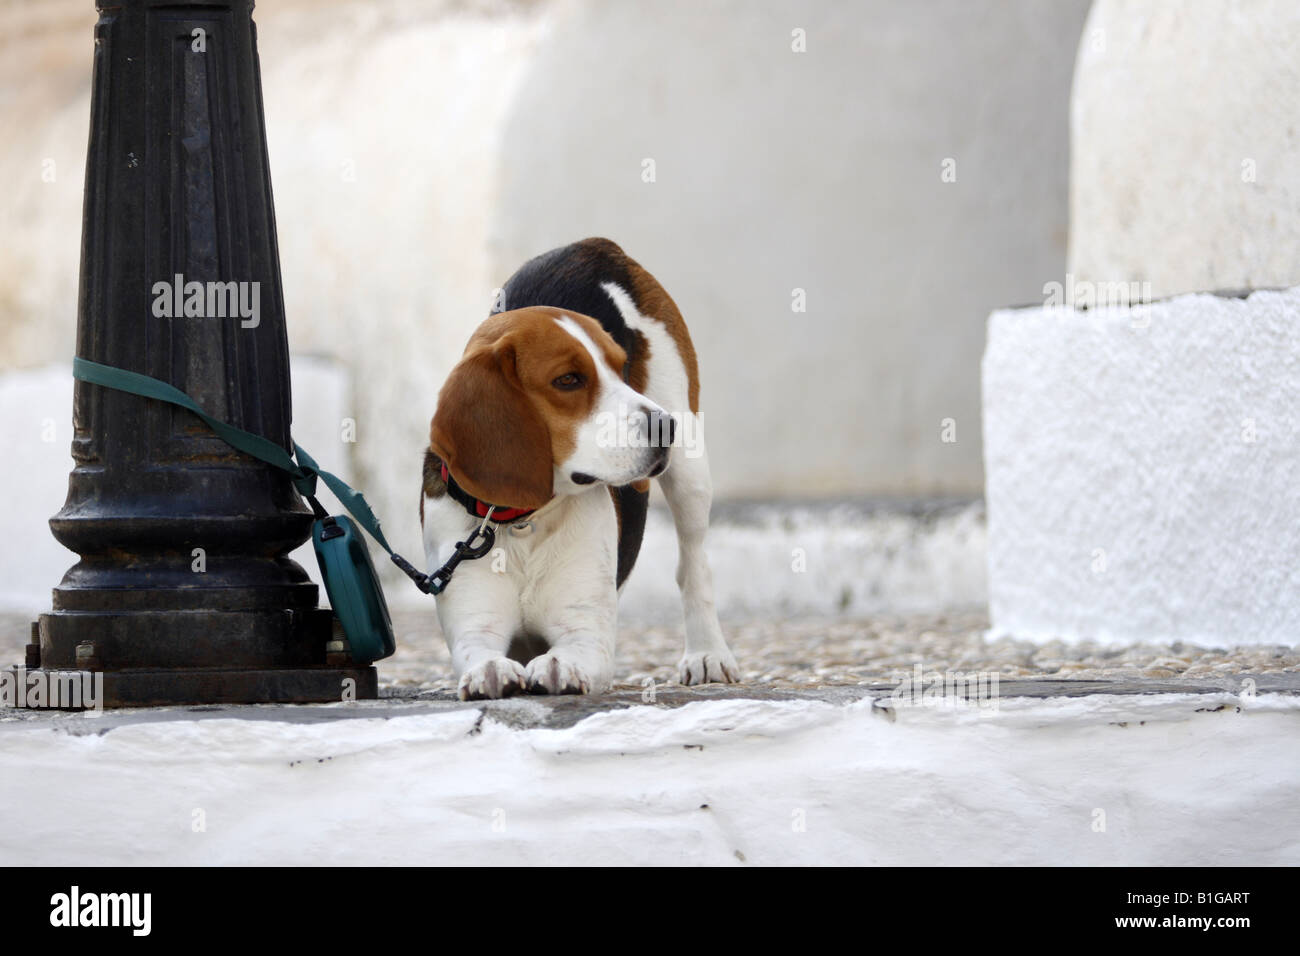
1097, 780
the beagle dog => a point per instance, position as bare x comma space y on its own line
578, 389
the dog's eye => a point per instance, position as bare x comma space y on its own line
568, 382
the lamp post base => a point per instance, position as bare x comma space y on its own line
229, 657
163, 688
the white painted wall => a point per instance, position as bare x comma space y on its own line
820, 170
1185, 159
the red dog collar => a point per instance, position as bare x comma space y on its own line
477, 508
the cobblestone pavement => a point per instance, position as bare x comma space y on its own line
808, 652
811, 652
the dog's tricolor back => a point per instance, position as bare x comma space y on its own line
574, 278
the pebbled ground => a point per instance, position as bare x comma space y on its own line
806, 652
831, 656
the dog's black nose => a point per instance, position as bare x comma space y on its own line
662, 429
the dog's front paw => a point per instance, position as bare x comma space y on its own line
711, 667
492, 679
550, 674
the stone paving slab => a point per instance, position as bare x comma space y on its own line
837, 660
534, 711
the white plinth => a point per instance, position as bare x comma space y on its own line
1143, 471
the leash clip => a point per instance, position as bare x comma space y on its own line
469, 551
466, 550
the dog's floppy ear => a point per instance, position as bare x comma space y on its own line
493, 441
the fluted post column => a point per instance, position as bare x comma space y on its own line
184, 591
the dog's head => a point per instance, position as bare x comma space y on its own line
537, 407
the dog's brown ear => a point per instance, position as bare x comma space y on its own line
494, 442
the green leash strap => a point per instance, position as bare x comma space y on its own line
304, 475
355, 593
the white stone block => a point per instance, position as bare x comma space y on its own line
36, 433
1143, 471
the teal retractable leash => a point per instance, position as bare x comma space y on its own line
349, 574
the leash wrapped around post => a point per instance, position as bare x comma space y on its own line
349, 575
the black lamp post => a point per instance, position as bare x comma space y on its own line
184, 591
